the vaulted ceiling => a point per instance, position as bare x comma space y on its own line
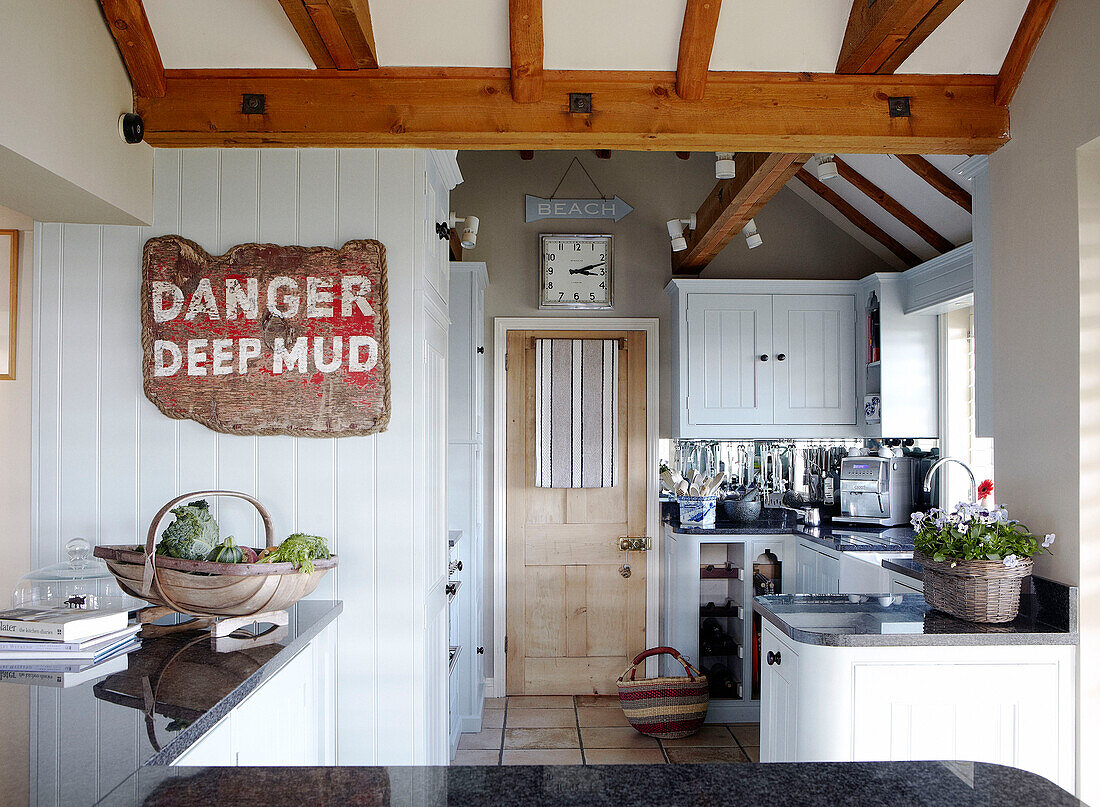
775, 82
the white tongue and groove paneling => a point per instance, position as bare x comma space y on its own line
105, 459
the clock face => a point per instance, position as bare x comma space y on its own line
576, 271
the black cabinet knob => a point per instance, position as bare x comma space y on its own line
775, 658
451, 589
481, 349
481, 651
781, 357
764, 357
443, 230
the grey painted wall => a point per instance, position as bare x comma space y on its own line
798, 243
1043, 316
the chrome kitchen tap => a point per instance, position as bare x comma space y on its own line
943, 461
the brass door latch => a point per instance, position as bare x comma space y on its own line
633, 544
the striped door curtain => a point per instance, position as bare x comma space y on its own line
576, 413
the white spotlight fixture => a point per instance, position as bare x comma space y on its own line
826, 167
724, 166
676, 232
469, 224
752, 235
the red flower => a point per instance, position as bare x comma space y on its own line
985, 489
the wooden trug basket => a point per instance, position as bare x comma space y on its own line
219, 589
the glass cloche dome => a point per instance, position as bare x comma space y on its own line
82, 575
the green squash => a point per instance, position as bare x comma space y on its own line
226, 552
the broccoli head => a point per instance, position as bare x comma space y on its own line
192, 535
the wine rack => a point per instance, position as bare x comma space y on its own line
722, 618
724, 571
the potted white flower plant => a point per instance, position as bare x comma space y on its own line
975, 559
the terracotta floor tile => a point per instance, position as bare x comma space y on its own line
540, 738
753, 752
616, 737
476, 758
540, 718
599, 701
495, 703
624, 756
700, 755
492, 719
746, 733
543, 756
485, 739
595, 716
540, 701
712, 735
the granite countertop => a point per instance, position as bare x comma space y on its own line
1048, 615
84, 740
807, 784
836, 535
905, 566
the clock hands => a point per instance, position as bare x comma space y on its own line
586, 270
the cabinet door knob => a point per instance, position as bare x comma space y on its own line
481, 651
481, 349
764, 357
781, 357
775, 658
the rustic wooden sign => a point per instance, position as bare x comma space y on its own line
267, 339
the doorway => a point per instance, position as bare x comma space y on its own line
572, 620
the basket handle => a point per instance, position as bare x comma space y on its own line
151, 579
659, 651
151, 538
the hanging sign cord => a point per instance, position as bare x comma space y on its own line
569, 168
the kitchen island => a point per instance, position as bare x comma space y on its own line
175, 701
912, 784
862, 678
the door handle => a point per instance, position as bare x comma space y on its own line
634, 544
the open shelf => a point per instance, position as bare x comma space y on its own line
735, 611
711, 571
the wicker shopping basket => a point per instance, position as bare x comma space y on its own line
667, 707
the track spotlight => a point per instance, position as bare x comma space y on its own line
826, 167
752, 235
469, 230
676, 232
724, 166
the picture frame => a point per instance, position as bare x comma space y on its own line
9, 301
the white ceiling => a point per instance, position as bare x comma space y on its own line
912, 192
781, 35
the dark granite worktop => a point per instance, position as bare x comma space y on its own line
868, 784
84, 740
1048, 616
835, 535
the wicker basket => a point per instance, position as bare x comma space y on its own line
974, 590
666, 708
204, 589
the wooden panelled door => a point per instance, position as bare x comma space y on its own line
574, 621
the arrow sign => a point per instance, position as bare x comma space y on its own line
538, 208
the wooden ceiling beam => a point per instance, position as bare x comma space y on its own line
883, 34
730, 205
938, 180
525, 41
1034, 22
336, 33
696, 44
849, 212
472, 108
893, 207
130, 27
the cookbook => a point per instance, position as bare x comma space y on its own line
61, 623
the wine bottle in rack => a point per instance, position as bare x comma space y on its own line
722, 683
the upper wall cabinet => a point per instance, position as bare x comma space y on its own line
764, 358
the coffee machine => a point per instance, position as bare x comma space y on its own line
877, 490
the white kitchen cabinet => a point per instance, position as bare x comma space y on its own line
728, 338
814, 366
466, 490
764, 358
1002, 704
818, 569
778, 697
289, 719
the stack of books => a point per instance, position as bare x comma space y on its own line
62, 646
